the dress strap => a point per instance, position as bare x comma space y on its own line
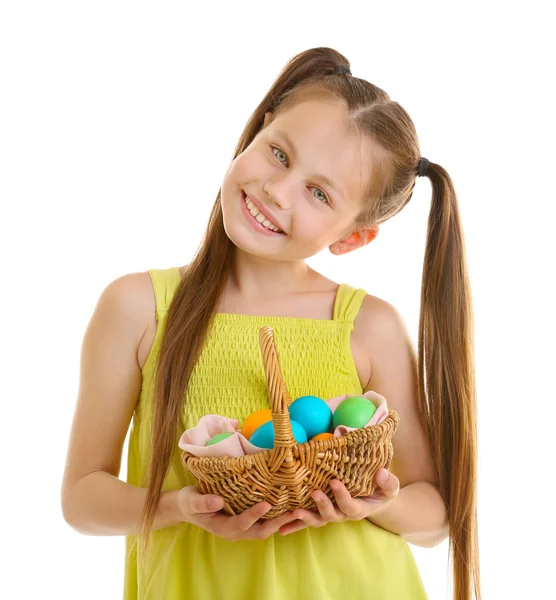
165, 283
348, 302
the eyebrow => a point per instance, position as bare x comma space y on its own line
324, 178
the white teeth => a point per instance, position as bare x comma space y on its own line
260, 217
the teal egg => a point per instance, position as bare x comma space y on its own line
312, 413
354, 412
263, 436
218, 438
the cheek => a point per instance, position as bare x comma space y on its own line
234, 180
231, 174
313, 232
315, 225
248, 166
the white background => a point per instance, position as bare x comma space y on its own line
117, 123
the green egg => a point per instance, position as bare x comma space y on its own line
218, 438
353, 412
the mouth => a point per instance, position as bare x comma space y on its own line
255, 223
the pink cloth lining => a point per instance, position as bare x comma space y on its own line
194, 440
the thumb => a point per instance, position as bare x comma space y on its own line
197, 503
209, 503
388, 482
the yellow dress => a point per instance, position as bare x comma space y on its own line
353, 560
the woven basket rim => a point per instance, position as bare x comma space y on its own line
337, 443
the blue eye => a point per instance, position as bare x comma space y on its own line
325, 199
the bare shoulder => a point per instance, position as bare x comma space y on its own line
136, 293
135, 290
394, 375
377, 322
375, 310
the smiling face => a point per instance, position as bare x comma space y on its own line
306, 172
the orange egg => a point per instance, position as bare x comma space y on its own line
323, 436
255, 420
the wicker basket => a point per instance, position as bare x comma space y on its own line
286, 475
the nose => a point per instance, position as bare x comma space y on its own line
278, 194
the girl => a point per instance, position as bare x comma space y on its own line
324, 159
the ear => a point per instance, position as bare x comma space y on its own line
356, 240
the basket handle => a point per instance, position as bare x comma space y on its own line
279, 398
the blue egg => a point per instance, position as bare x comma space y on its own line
313, 414
263, 436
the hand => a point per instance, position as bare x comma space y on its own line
347, 508
203, 510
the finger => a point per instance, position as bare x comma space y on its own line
326, 508
230, 526
313, 519
389, 484
346, 504
217, 523
271, 526
249, 517
266, 528
203, 503
292, 527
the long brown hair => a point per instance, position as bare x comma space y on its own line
447, 395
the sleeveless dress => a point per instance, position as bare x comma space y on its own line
353, 559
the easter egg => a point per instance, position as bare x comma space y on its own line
254, 421
312, 413
263, 437
353, 412
219, 437
324, 436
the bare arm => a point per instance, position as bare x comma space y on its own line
102, 504
94, 500
419, 512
